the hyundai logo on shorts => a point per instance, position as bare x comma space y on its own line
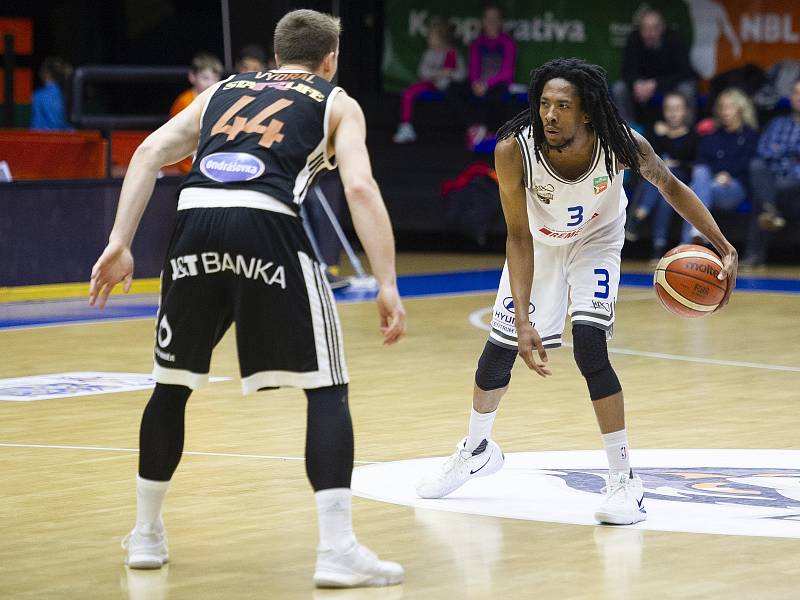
231, 166
508, 304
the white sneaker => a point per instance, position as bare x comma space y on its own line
460, 467
147, 547
405, 134
624, 503
357, 567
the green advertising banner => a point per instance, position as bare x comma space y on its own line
592, 30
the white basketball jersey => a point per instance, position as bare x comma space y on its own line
561, 211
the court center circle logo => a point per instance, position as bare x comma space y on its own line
733, 492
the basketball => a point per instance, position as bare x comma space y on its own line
686, 281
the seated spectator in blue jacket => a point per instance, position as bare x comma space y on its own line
47, 106
775, 173
674, 140
721, 177
655, 61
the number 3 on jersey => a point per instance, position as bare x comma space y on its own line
270, 134
576, 215
602, 283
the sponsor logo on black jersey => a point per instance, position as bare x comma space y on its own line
190, 265
231, 166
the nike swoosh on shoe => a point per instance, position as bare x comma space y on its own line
483, 465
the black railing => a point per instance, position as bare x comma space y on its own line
107, 122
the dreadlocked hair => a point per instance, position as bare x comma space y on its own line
589, 80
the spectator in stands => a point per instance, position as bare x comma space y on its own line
440, 65
720, 177
674, 140
655, 61
492, 60
253, 58
48, 109
206, 70
775, 175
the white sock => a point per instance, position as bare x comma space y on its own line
480, 428
149, 502
616, 445
334, 512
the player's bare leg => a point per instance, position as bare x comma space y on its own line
484, 401
610, 413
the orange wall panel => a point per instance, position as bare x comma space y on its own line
22, 30
46, 155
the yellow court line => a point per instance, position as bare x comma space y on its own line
58, 291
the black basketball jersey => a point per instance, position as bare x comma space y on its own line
265, 132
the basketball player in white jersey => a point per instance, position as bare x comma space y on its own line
560, 165
239, 255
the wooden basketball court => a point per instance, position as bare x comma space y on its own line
240, 513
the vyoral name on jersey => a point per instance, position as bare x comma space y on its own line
209, 263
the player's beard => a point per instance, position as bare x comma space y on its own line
566, 143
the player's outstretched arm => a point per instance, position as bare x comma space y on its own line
519, 250
173, 141
688, 205
370, 219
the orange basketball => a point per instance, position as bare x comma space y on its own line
686, 281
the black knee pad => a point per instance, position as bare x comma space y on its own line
494, 367
591, 355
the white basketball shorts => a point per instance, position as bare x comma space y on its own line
580, 279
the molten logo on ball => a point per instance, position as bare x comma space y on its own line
686, 281
702, 268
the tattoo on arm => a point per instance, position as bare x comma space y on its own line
652, 167
656, 172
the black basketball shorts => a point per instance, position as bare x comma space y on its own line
254, 267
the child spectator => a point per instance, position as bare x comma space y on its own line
439, 67
492, 60
721, 174
676, 143
206, 70
47, 105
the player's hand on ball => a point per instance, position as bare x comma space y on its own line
730, 266
113, 266
528, 340
392, 314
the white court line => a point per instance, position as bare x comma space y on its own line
476, 320
223, 454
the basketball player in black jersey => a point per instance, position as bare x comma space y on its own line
239, 255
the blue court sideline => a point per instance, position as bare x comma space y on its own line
52, 312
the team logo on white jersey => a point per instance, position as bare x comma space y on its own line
600, 184
545, 193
